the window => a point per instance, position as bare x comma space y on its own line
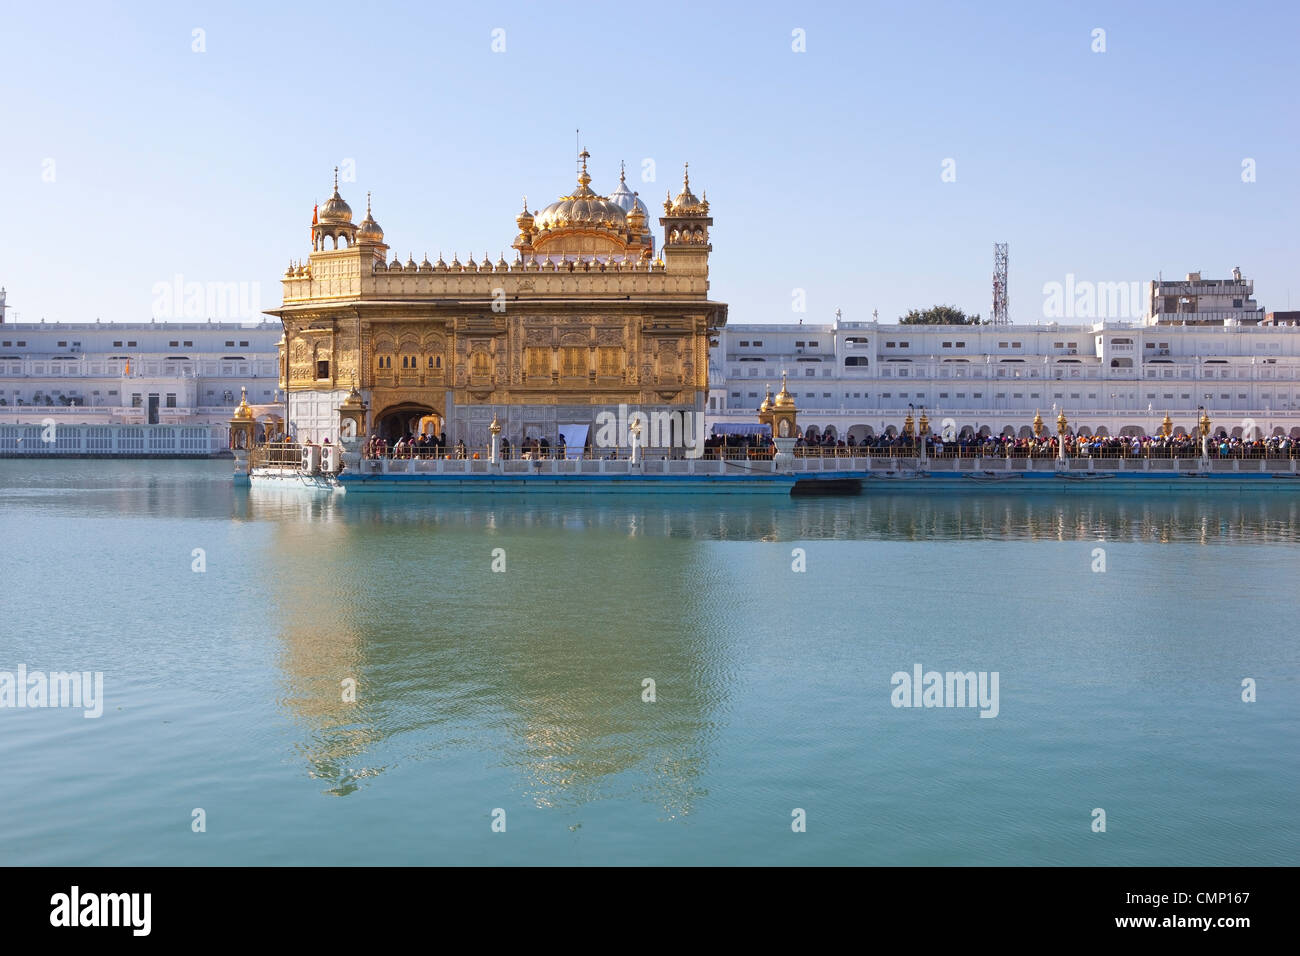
943, 394
135, 400
758, 344
1058, 345
21, 343
188, 343
891, 345
1236, 303
573, 361
735, 395
230, 343
812, 344
798, 345
323, 368
171, 400
947, 345
243, 344
1002, 345
826, 394
63, 344
174, 343
809, 371
8, 344
903, 345
116, 345
130, 344
744, 344
1072, 345
961, 345
1015, 345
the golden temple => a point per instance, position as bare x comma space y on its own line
586, 318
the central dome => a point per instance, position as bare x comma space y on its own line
583, 208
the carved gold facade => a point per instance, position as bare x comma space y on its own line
585, 319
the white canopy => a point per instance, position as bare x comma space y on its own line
575, 439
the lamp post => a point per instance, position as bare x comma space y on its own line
634, 431
923, 431
1061, 424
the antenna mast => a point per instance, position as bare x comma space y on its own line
1001, 299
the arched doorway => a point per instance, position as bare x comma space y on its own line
398, 421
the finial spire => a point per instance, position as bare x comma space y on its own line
622, 171
686, 176
583, 178
336, 180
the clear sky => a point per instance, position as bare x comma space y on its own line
823, 168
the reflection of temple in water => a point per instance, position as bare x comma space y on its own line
542, 677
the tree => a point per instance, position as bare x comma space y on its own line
939, 315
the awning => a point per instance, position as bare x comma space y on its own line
575, 439
741, 428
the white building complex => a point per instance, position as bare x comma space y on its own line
93, 379
1204, 344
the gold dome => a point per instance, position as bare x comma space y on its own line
783, 398
335, 209
369, 230
245, 411
686, 203
767, 402
584, 208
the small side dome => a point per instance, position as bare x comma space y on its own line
369, 230
686, 203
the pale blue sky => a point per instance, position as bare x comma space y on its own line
822, 168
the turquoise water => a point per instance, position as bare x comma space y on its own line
522, 690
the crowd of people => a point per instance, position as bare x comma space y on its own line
1048, 446
966, 445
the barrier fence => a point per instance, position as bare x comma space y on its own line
56, 440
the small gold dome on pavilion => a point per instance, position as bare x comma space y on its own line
335, 209
686, 203
245, 411
783, 398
